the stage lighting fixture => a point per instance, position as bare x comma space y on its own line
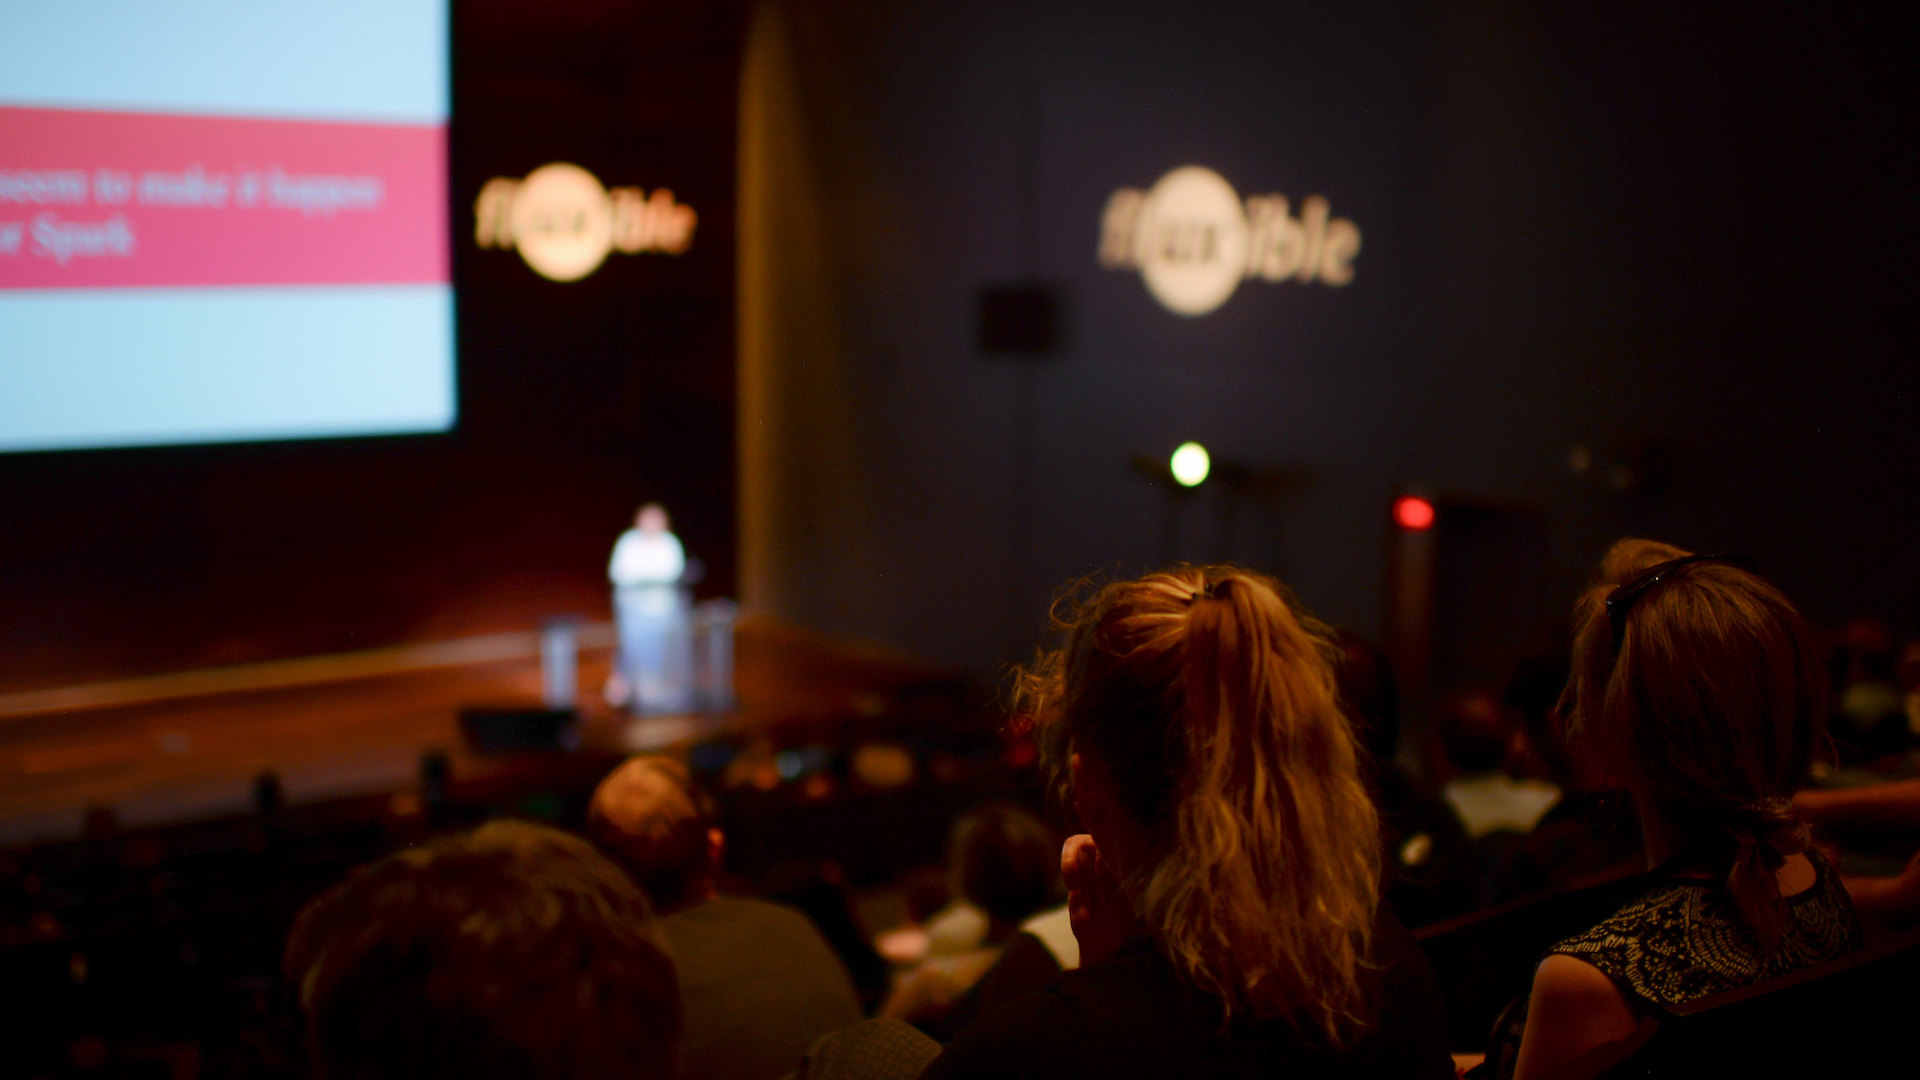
1190, 464
1413, 513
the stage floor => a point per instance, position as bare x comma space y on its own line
184, 746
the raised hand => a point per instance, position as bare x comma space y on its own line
1102, 919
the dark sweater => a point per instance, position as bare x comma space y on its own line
1132, 1016
757, 986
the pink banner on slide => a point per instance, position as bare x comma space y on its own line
90, 199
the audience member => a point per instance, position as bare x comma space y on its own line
1032, 958
1887, 904
1478, 732
923, 895
954, 927
1533, 692
1004, 862
1226, 899
1870, 718
1699, 689
1053, 930
879, 1049
757, 982
1590, 830
515, 952
1429, 862
820, 889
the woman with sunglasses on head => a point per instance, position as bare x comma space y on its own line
1698, 690
1226, 896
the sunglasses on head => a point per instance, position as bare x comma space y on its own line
1621, 600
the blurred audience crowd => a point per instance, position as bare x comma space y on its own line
1217, 851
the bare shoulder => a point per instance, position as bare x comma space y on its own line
1577, 1021
1563, 980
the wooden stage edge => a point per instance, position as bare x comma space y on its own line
287, 674
182, 746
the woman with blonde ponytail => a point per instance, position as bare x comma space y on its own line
1226, 894
1699, 691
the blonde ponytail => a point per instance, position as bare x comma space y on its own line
1212, 699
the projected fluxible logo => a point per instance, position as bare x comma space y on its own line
1193, 240
564, 223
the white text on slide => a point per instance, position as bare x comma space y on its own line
48, 234
64, 240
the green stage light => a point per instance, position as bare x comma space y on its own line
1190, 464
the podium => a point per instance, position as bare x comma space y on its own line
675, 656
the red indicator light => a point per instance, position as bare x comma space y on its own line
1412, 513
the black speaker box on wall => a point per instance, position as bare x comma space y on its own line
1018, 319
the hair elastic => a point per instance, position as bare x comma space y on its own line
1212, 591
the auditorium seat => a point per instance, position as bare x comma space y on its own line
1849, 1017
1485, 959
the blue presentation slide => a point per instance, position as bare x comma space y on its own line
224, 220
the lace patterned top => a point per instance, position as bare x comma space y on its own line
1684, 939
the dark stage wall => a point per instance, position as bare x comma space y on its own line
1676, 237
577, 401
